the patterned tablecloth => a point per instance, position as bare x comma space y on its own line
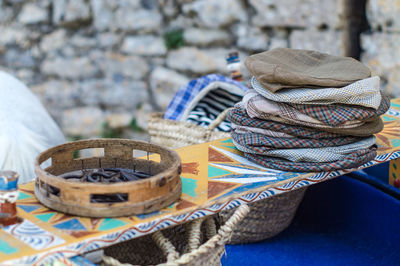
215, 177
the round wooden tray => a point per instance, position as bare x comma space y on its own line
76, 197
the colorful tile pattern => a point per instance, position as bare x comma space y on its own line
33, 235
215, 177
6, 248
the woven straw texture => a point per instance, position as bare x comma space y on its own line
198, 241
266, 218
176, 134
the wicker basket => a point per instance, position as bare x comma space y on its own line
198, 241
176, 134
266, 218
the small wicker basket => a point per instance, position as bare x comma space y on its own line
175, 134
268, 217
200, 242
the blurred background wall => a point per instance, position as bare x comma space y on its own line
101, 66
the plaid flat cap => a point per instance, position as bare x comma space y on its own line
337, 114
352, 160
260, 140
239, 116
325, 154
365, 92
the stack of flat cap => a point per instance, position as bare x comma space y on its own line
308, 112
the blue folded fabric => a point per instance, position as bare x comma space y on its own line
187, 93
340, 222
377, 176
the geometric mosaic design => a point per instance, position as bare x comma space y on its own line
33, 235
212, 173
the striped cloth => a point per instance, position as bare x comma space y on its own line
239, 116
326, 154
210, 106
260, 140
337, 114
187, 93
351, 160
362, 93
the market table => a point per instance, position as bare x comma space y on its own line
215, 177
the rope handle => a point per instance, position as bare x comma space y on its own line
211, 228
173, 259
221, 117
194, 233
110, 261
224, 233
227, 229
165, 245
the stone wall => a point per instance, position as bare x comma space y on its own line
101, 66
382, 43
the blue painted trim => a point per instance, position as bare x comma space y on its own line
8, 185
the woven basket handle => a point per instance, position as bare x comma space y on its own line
221, 117
223, 235
173, 259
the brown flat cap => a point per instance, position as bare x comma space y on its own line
291, 68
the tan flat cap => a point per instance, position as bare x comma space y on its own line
291, 68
